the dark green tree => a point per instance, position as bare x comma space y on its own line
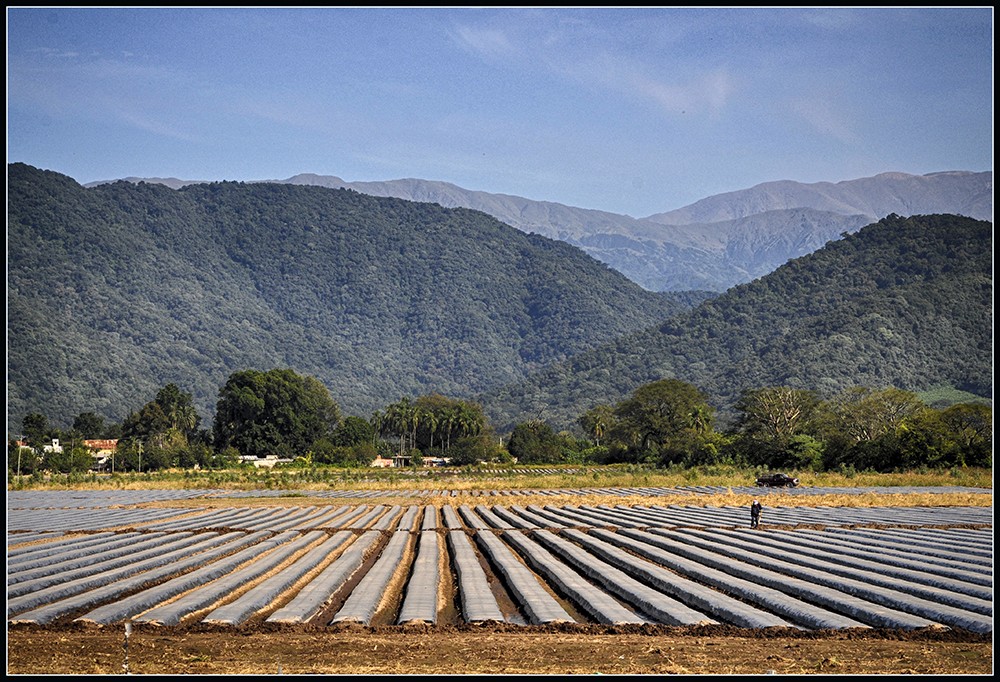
353, 431
535, 442
135, 455
665, 420
275, 412
399, 421
430, 421
147, 424
35, 428
89, 425
482, 447
164, 430
970, 427
195, 455
435, 409
773, 427
178, 408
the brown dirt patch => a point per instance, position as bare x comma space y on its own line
493, 649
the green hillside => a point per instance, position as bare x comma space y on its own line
905, 302
117, 290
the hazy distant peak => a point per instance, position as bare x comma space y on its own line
313, 179
874, 197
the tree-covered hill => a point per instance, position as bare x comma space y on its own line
114, 291
905, 302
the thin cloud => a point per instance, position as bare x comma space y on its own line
100, 88
569, 49
54, 53
486, 42
143, 122
703, 93
709, 92
836, 20
820, 114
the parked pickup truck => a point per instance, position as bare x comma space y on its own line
777, 481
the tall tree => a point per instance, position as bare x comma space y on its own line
36, 430
398, 421
353, 431
178, 408
864, 414
662, 416
275, 412
440, 419
971, 427
775, 413
148, 424
774, 427
534, 442
971, 423
597, 421
89, 425
471, 419
168, 422
878, 429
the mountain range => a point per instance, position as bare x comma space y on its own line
712, 244
118, 289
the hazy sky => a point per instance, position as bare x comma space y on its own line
633, 111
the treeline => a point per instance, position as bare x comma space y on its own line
664, 423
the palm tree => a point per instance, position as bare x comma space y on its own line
450, 419
395, 422
403, 418
431, 420
416, 414
700, 419
469, 420
600, 426
596, 421
378, 423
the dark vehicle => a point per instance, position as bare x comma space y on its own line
777, 481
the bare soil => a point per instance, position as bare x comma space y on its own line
492, 649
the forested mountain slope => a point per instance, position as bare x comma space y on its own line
114, 291
905, 302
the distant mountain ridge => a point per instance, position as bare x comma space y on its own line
712, 244
968, 194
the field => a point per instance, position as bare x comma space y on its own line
519, 572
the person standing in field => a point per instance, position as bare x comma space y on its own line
755, 508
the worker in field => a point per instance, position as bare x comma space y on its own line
755, 514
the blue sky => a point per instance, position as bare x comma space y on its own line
633, 111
